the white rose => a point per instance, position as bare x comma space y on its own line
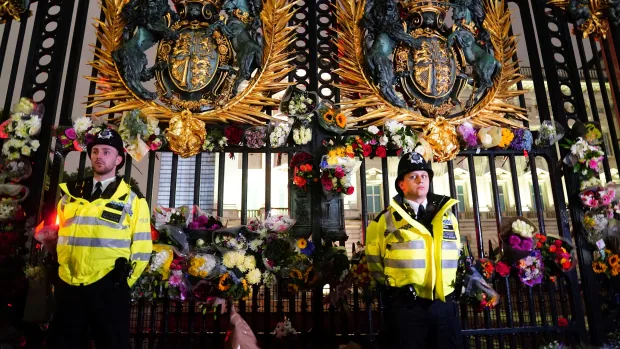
35, 126
383, 140
373, 129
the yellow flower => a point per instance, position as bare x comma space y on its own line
203, 273
615, 271
599, 267
507, 137
244, 284
613, 260
222, 285
296, 274
302, 243
332, 153
332, 160
349, 149
329, 116
341, 120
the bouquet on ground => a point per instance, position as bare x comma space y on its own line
140, 134
474, 288
21, 128
151, 284
557, 254
518, 237
172, 216
531, 269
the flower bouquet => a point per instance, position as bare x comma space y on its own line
523, 140
279, 224
402, 137
606, 262
595, 197
474, 288
557, 254
302, 134
16, 170
486, 268
177, 285
549, 133
375, 143
140, 134
298, 103
279, 134
331, 119
491, 136
507, 138
215, 140
531, 269
595, 222
172, 216
304, 175
584, 158
517, 234
202, 228
336, 180
468, 135
21, 128
11, 197
234, 135
78, 137
255, 137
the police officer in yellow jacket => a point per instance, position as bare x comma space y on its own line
104, 244
412, 248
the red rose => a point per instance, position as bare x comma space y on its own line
367, 149
381, 151
502, 269
558, 243
354, 146
566, 265
154, 233
538, 244
233, 134
562, 321
399, 151
552, 248
350, 190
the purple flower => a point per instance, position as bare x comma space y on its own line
89, 138
514, 241
527, 244
70, 133
523, 140
309, 249
468, 134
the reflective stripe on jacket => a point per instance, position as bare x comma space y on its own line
93, 235
403, 252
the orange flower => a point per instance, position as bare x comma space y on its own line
613, 260
552, 248
222, 285
341, 120
599, 267
329, 116
300, 181
615, 271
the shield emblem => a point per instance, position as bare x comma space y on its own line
194, 60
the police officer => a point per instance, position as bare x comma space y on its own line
412, 247
104, 244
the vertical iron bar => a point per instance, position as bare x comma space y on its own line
150, 178
498, 315
81, 167
530, 300
515, 184
453, 193
178, 314
386, 183
244, 188
542, 306
554, 305
173, 180
267, 182
166, 315
537, 197
364, 197
190, 323
152, 328
75, 54
496, 205
220, 184
139, 332
10, 90
127, 166
267, 314
509, 314
4, 45
474, 197
197, 179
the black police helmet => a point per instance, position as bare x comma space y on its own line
412, 162
112, 138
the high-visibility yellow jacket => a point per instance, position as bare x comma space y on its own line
401, 251
92, 235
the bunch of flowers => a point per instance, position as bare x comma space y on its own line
595, 222
598, 196
502, 269
302, 175
518, 238
341, 152
354, 146
234, 135
279, 135
361, 276
556, 251
16, 170
304, 247
490, 137
172, 216
161, 258
297, 102
486, 268
201, 265
554, 345
468, 135
83, 132
21, 128
176, 284
336, 181
590, 183
507, 137
375, 143
474, 288
521, 244
549, 133
215, 140
140, 133
205, 222
331, 119
584, 157
236, 241
279, 224
531, 269
607, 263
255, 137
284, 328
302, 134
523, 139
401, 136
593, 135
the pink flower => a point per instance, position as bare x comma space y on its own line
70, 133
593, 164
350, 190
175, 279
339, 173
514, 241
156, 144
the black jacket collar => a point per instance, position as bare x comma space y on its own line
83, 189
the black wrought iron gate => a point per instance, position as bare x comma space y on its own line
526, 318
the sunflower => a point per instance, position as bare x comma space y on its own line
222, 285
613, 260
341, 120
615, 271
244, 284
329, 116
296, 274
599, 267
307, 273
302, 243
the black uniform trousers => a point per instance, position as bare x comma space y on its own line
421, 323
101, 308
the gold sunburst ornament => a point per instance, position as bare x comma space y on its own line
359, 90
589, 16
247, 107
